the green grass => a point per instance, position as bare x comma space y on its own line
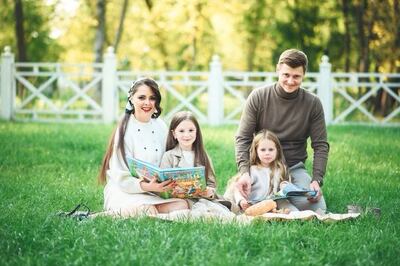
49, 167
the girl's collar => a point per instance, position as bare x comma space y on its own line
178, 152
183, 150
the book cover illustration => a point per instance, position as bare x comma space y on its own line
189, 182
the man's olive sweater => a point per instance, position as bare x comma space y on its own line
293, 117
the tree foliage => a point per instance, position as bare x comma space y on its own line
38, 43
357, 35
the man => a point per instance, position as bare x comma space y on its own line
294, 115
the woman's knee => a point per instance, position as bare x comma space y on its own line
179, 205
137, 210
183, 204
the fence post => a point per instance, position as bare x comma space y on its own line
215, 93
7, 96
325, 89
109, 86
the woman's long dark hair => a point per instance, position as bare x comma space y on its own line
200, 155
121, 128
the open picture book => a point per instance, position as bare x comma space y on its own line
291, 190
189, 182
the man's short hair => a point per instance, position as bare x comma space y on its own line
294, 58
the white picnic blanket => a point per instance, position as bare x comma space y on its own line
207, 210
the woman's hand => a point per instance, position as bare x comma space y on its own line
154, 186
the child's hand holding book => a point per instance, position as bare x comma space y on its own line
244, 204
208, 193
155, 186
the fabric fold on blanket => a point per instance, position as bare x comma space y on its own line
207, 210
308, 215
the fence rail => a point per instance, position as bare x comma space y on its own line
97, 92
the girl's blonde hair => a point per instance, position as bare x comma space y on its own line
279, 164
200, 155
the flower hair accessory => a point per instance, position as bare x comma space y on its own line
128, 107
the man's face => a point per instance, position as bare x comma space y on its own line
290, 78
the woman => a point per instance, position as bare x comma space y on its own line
141, 134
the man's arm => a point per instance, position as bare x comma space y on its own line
319, 142
245, 132
243, 139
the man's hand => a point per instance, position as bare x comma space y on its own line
315, 186
244, 185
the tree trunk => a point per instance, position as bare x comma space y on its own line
120, 29
390, 103
396, 42
360, 15
365, 23
100, 30
347, 44
149, 4
20, 36
364, 27
19, 31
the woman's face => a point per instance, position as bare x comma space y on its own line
144, 103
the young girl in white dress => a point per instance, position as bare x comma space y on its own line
141, 134
185, 149
268, 173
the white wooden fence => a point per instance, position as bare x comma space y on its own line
97, 92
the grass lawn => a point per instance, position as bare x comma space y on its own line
49, 167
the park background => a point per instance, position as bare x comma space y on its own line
47, 167
357, 35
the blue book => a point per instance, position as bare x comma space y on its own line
189, 182
291, 190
